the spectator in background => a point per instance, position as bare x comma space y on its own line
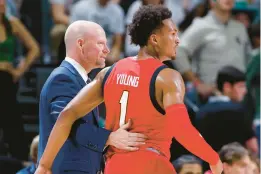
255, 166
11, 8
212, 42
200, 10
60, 12
222, 120
188, 164
244, 13
253, 78
252, 99
10, 118
175, 6
235, 159
33, 155
107, 14
254, 33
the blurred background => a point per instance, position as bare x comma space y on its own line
219, 61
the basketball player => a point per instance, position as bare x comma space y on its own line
144, 90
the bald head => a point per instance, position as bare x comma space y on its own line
80, 29
86, 43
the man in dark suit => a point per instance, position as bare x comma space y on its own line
86, 49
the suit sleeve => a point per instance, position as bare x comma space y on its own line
85, 134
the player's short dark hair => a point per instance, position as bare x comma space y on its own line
185, 159
229, 74
145, 21
232, 153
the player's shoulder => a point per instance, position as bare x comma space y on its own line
102, 75
170, 78
105, 72
169, 74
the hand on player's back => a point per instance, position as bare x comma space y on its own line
122, 139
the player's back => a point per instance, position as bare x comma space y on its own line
129, 93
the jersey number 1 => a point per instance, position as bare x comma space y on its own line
124, 103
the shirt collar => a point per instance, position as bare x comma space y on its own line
221, 98
212, 15
78, 68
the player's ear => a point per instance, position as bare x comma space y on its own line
153, 39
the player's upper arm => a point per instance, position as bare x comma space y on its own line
172, 87
89, 97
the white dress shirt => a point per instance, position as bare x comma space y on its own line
78, 68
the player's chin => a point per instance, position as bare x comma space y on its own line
173, 56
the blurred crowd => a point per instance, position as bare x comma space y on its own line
218, 57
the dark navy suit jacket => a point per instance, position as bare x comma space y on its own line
82, 152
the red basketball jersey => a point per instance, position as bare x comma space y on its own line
129, 93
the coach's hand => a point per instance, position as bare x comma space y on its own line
122, 139
42, 170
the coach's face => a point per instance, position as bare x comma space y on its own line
96, 49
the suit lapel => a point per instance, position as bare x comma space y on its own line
74, 71
81, 82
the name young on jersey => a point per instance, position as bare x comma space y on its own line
128, 80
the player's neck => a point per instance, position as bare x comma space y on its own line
146, 52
